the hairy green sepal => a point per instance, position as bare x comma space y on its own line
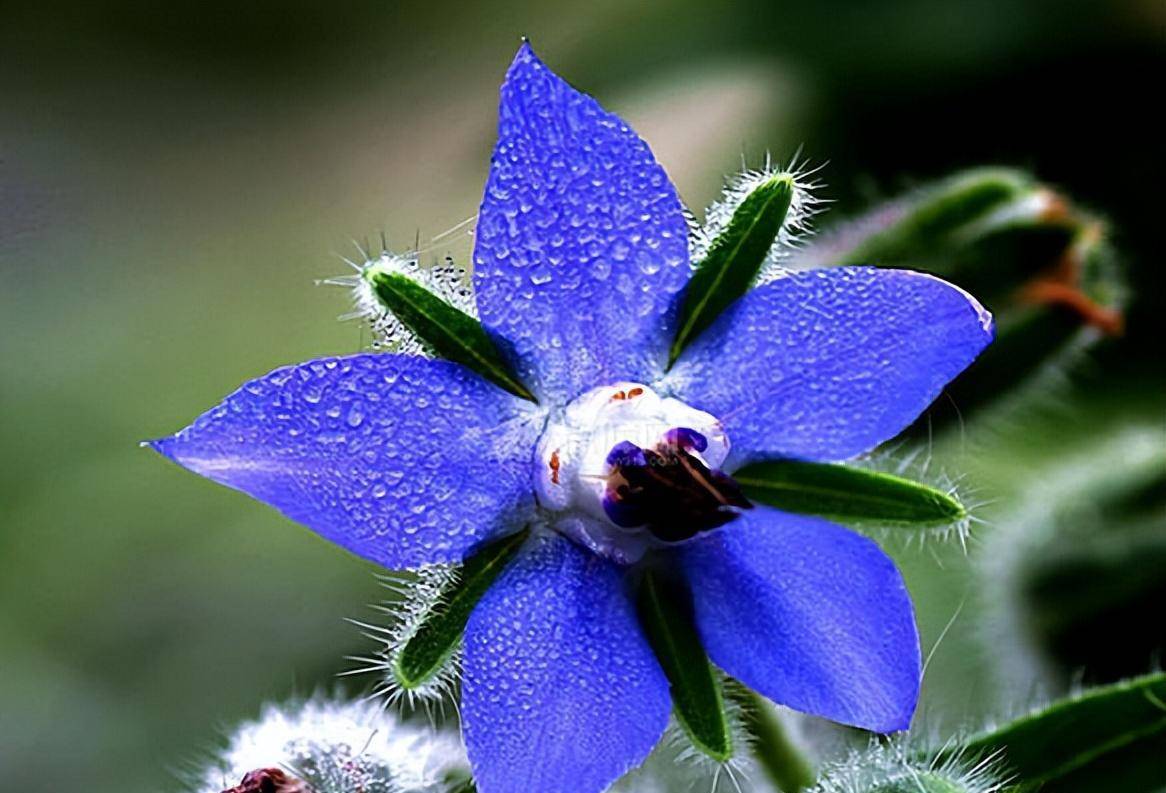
666, 614
1110, 738
848, 494
430, 647
734, 258
448, 331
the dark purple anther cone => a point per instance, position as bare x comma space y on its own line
668, 490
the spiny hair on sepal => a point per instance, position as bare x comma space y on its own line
796, 228
415, 596
676, 765
916, 462
443, 278
898, 767
325, 744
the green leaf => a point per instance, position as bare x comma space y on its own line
848, 494
1110, 738
734, 258
440, 632
666, 614
450, 332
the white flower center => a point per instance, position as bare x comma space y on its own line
573, 482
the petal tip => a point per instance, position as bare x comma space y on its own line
525, 56
161, 445
172, 448
984, 317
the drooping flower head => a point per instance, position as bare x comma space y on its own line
625, 463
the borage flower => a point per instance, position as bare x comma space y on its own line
623, 468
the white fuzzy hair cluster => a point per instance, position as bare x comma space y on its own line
337, 746
416, 595
897, 768
445, 279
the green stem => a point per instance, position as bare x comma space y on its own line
780, 759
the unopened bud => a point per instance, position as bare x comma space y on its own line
269, 780
1040, 264
329, 746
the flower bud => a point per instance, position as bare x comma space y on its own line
269, 780
1041, 265
326, 745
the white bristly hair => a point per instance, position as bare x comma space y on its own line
416, 595
794, 230
897, 767
445, 279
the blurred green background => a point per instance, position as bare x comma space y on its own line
174, 176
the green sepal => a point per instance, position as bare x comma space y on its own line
665, 610
462, 786
448, 331
734, 258
848, 494
1110, 738
439, 634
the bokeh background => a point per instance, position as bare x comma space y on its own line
174, 177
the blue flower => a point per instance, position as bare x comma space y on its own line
581, 254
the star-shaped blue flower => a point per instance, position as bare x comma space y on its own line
581, 254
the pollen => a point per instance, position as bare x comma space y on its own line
624, 395
554, 466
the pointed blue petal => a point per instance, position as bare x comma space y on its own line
827, 364
581, 244
808, 614
561, 693
405, 461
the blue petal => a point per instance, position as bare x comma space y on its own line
581, 243
827, 364
810, 615
402, 460
561, 692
